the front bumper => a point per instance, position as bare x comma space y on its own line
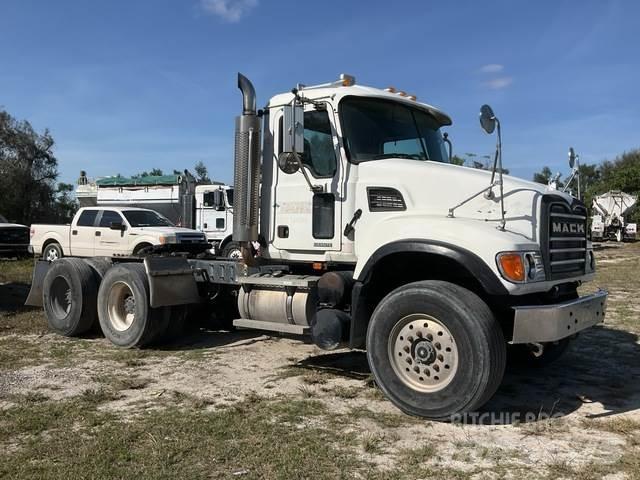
550, 323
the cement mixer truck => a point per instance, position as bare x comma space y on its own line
369, 238
608, 221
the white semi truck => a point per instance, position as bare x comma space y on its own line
205, 207
369, 239
609, 217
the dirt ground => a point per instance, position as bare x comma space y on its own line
249, 405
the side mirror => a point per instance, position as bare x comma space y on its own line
117, 226
445, 139
293, 129
487, 119
289, 162
218, 200
572, 157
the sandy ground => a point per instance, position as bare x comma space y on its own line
565, 414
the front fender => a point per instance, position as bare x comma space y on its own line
469, 241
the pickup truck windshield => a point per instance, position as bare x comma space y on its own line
375, 129
146, 218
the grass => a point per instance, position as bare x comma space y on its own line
16, 271
263, 439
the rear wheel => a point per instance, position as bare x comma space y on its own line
435, 349
126, 318
52, 252
69, 294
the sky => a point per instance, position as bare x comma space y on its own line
130, 85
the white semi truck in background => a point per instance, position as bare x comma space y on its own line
369, 239
204, 207
609, 217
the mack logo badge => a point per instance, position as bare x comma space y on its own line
561, 227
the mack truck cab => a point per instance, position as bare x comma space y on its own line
356, 231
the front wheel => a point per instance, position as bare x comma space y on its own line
435, 349
232, 250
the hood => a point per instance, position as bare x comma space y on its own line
432, 188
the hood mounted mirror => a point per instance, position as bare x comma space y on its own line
487, 119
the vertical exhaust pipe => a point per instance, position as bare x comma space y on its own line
246, 170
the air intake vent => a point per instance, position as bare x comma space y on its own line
385, 199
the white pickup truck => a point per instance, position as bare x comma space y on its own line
109, 232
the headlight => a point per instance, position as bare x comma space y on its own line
521, 267
170, 238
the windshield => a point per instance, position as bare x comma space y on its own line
146, 218
374, 129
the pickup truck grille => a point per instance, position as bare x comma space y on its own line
567, 240
14, 236
190, 238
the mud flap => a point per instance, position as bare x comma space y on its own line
171, 282
35, 294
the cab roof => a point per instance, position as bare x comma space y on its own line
338, 92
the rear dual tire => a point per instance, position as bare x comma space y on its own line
126, 318
435, 349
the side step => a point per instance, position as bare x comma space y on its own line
272, 326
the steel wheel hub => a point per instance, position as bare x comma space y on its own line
423, 353
121, 306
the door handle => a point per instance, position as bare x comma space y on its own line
74, 232
98, 234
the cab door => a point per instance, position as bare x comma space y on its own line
109, 242
306, 220
82, 239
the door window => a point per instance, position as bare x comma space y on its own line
319, 154
109, 217
87, 218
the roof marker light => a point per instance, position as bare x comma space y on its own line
347, 80
390, 89
401, 93
412, 97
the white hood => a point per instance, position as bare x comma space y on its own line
432, 188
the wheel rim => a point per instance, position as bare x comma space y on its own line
60, 294
235, 254
121, 305
52, 254
423, 353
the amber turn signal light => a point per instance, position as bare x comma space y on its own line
512, 266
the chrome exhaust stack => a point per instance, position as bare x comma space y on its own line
246, 171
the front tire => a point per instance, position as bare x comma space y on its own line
232, 250
435, 349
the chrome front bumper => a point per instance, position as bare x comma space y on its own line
550, 323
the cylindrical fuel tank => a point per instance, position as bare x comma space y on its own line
295, 307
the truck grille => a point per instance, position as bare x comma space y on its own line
14, 236
567, 240
190, 238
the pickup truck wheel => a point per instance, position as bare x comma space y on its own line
435, 349
52, 252
69, 294
530, 356
126, 318
232, 250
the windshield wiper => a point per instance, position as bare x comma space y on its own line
411, 156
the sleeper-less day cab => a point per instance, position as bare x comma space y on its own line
369, 239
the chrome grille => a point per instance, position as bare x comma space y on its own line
567, 240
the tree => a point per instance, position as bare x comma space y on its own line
202, 175
28, 171
543, 176
456, 160
66, 203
